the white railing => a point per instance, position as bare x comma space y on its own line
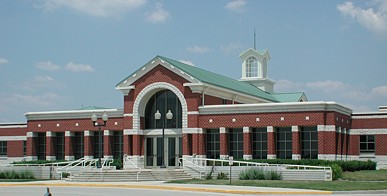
85, 164
129, 164
199, 165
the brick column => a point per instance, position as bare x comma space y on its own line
223, 142
137, 145
88, 144
296, 143
185, 144
195, 144
31, 146
201, 144
107, 144
50, 146
247, 148
326, 142
128, 149
271, 143
69, 151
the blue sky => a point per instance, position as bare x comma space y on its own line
66, 54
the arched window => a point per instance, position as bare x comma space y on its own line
163, 101
252, 67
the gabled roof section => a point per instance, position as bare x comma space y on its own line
290, 97
252, 52
195, 75
215, 79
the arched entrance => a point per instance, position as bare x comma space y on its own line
163, 101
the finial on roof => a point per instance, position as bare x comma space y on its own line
254, 40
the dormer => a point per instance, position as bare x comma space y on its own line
254, 69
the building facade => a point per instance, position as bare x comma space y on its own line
213, 116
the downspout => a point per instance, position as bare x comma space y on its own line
203, 93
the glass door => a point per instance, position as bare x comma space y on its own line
172, 151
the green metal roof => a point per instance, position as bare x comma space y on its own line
208, 77
93, 108
288, 97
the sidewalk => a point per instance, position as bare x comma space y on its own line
170, 186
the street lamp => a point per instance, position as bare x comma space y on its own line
94, 118
169, 116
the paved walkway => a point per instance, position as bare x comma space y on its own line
170, 186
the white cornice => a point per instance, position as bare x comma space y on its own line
274, 107
125, 89
367, 131
72, 114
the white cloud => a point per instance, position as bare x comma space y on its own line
236, 6
101, 8
47, 65
380, 91
198, 49
158, 15
187, 62
232, 49
79, 67
3, 61
19, 100
42, 82
374, 20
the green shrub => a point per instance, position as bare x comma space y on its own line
65, 175
337, 171
117, 163
259, 174
222, 176
11, 174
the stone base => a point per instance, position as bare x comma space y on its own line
31, 158
223, 157
69, 158
271, 156
50, 158
247, 156
134, 162
88, 157
296, 156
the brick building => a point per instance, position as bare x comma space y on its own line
213, 116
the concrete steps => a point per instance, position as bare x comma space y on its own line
129, 175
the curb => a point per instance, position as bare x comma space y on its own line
192, 189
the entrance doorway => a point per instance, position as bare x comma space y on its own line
172, 151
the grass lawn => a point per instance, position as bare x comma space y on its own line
362, 180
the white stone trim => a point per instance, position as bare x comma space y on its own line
88, 133
368, 131
50, 158
88, 157
69, 158
69, 133
32, 134
271, 156
295, 129
13, 138
145, 94
133, 132
270, 129
223, 130
31, 158
5, 126
128, 115
160, 131
247, 156
108, 133
193, 130
50, 134
193, 113
246, 130
223, 157
72, 114
371, 116
326, 128
296, 156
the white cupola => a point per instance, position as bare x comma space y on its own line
254, 69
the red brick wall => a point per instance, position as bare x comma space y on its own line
375, 123
381, 144
296, 145
15, 149
247, 149
223, 143
271, 150
50, 151
13, 131
69, 146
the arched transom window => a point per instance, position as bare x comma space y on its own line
252, 67
163, 101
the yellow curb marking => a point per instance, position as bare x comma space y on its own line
175, 188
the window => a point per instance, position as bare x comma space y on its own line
97, 147
259, 143
163, 101
213, 144
41, 146
3, 148
252, 67
367, 144
236, 143
284, 143
60, 145
24, 148
79, 145
309, 143
118, 144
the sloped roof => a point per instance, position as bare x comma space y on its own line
289, 97
215, 79
93, 108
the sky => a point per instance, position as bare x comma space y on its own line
69, 54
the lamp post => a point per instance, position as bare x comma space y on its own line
94, 118
169, 116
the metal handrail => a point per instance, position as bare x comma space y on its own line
127, 160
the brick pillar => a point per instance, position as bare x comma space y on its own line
296, 143
201, 144
107, 144
247, 145
271, 143
69, 151
31, 146
50, 146
128, 149
185, 144
223, 142
326, 142
88, 144
137, 145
